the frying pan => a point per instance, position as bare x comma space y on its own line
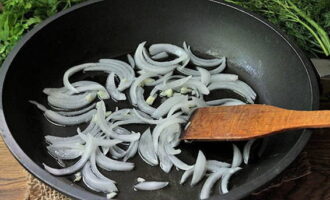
258, 52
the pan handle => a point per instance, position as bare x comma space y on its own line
322, 67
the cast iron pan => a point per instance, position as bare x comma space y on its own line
256, 51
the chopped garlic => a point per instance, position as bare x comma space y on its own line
150, 100
111, 195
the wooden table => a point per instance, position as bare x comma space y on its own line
13, 178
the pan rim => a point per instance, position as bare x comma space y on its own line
78, 193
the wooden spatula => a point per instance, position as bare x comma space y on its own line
249, 121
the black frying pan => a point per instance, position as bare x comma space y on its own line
256, 51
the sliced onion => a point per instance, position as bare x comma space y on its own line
165, 107
165, 162
215, 165
199, 168
224, 101
169, 48
65, 101
205, 76
162, 79
122, 69
64, 153
131, 151
77, 112
71, 71
65, 120
159, 56
131, 60
209, 183
233, 86
103, 124
135, 84
186, 175
145, 65
146, 149
141, 103
89, 149
112, 89
179, 163
150, 185
170, 85
237, 157
160, 127
223, 77
95, 183
246, 150
191, 72
112, 165
200, 61
226, 177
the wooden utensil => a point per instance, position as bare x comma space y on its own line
249, 121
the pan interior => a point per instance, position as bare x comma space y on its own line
109, 29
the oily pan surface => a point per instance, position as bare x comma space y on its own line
260, 58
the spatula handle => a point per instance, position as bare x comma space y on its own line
250, 121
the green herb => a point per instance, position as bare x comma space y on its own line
19, 16
307, 21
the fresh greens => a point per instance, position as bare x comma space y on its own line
18, 16
307, 21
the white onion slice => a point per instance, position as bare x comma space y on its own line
89, 149
186, 175
199, 168
209, 183
64, 153
225, 101
131, 60
103, 124
214, 165
233, 86
161, 55
237, 157
191, 72
160, 127
65, 101
135, 84
170, 85
146, 149
112, 89
150, 185
71, 71
65, 120
144, 65
246, 150
163, 63
200, 61
141, 103
77, 112
112, 165
96, 171
169, 48
179, 163
223, 77
205, 76
131, 151
95, 183
226, 177
124, 71
162, 79
165, 107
